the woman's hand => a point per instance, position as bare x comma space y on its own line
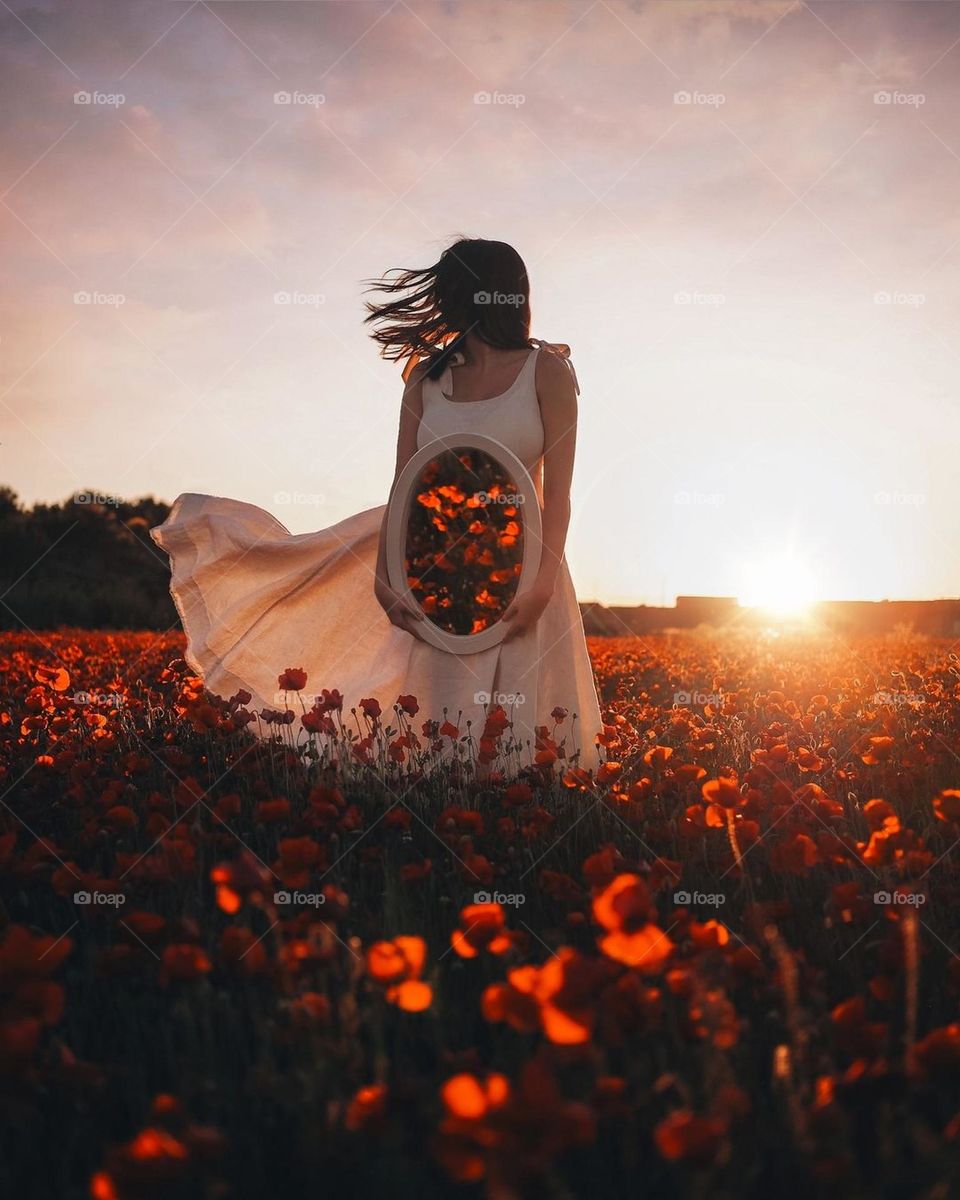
525, 611
405, 616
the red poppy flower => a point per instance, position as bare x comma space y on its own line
483, 927
471, 1098
724, 792
685, 1135
624, 910
293, 679
947, 805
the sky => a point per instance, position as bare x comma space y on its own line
741, 216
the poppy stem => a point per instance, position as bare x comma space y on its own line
732, 838
911, 961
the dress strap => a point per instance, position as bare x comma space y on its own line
562, 351
456, 359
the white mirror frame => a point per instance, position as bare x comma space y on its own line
398, 511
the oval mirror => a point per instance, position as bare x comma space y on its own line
463, 539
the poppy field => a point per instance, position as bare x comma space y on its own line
354, 957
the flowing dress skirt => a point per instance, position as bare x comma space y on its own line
255, 599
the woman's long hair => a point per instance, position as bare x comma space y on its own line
477, 286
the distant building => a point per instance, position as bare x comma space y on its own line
937, 618
707, 610
689, 611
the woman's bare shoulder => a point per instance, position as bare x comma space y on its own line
553, 377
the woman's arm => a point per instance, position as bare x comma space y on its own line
558, 411
403, 615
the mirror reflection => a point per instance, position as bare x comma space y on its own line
464, 540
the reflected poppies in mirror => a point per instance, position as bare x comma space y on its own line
464, 540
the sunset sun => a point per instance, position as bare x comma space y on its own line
782, 584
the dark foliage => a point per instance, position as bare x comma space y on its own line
88, 562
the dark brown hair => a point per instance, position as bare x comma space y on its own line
436, 307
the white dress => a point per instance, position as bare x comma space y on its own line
255, 599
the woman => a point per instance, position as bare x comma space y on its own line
255, 599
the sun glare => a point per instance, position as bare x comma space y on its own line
782, 585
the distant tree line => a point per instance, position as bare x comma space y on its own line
87, 562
